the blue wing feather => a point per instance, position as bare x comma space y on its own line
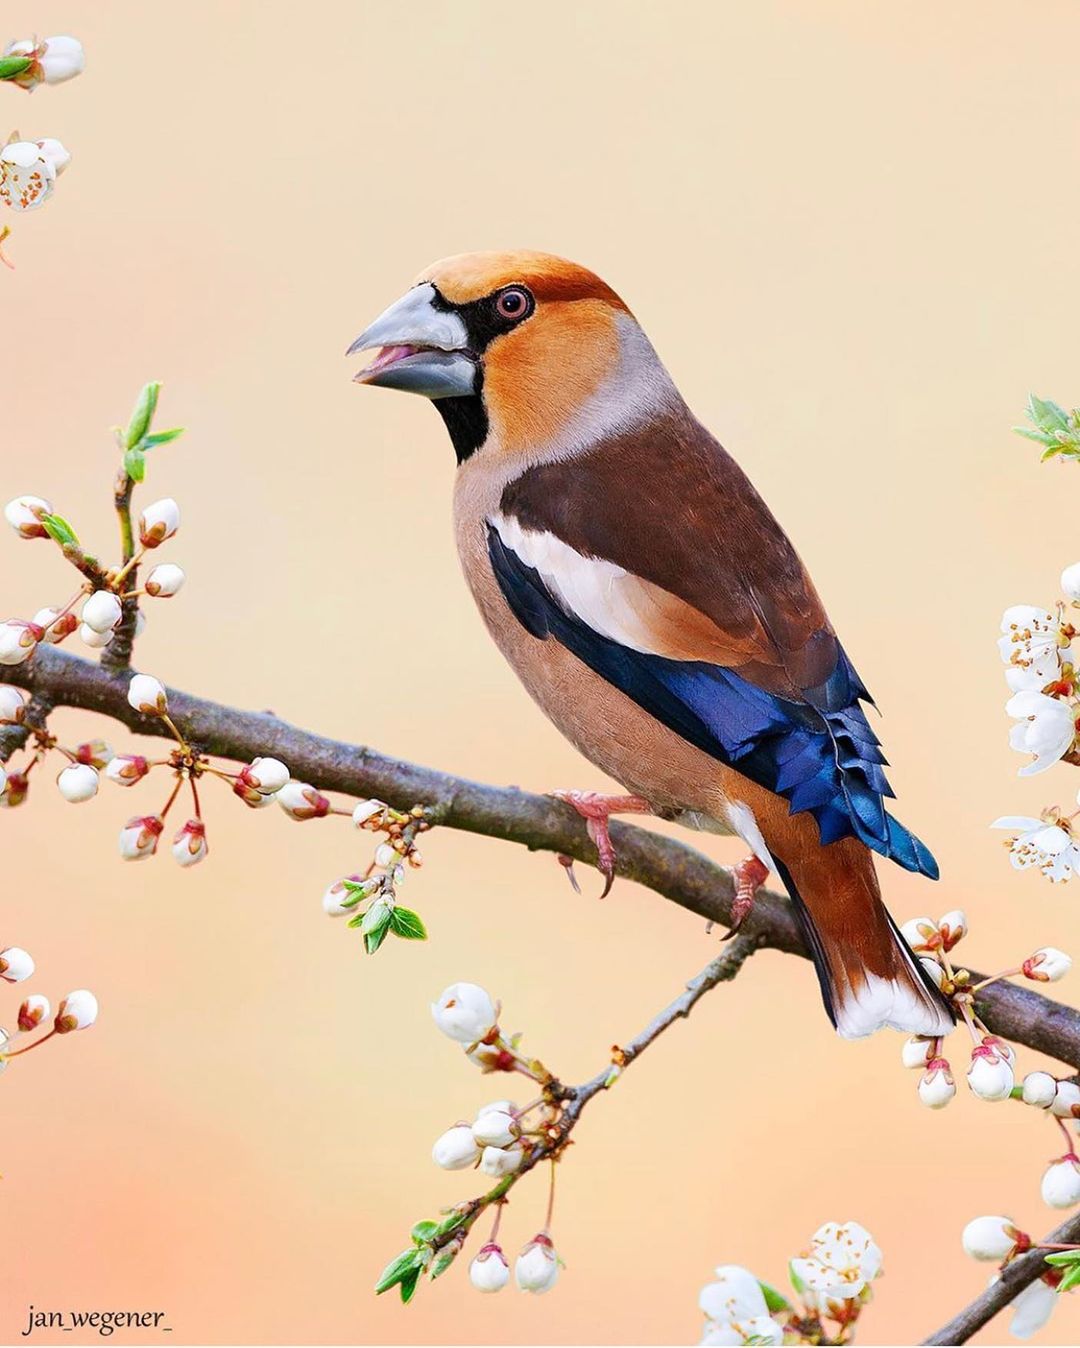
820, 755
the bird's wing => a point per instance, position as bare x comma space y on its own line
670, 578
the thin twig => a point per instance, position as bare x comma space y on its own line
117, 655
674, 870
1016, 1275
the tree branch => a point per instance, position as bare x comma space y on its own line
540, 823
1014, 1278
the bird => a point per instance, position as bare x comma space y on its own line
654, 608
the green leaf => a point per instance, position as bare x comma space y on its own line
1040, 437
143, 415
10, 66
376, 918
161, 438
58, 529
775, 1300
1048, 416
796, 1281
409, 1285
135, 464
397, 1269
406, 924
1064, 1258
424, 1232
1070, 1279
374, 939
450, 1223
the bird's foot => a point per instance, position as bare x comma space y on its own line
596, 809
749, 875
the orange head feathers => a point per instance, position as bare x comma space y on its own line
523, 353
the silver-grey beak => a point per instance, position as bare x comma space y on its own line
423, 349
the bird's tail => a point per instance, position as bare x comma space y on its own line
869, 977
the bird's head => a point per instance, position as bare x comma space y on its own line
521, 352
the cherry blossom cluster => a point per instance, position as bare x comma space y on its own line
503, 1142
991, 1074
832, 1284
77, 1011
29, 168
998, 1240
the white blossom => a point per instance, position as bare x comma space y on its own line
147, 695
301, 801
12, 704
27, 174
1045, 729
15, 964
1061, 1183
53, 61
989, 1238
78, 782
1070, 582
1047, 965
456, 1149
18, 641
489, 1271
55, 153
102, 611
465, 1012
78, 1011
1032, 1307
537, 1266
937, 1085
139, 837
1037, 843
33, 1011
164, 581
496, 1128
736, 1295
1031, 647
1040, 1090
499, 1161
990, 1075
843, 1259
23, 514
159, 522
189, 846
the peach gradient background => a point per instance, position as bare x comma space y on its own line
851, 232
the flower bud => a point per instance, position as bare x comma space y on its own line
1040, 1090
52, 61
95, 640
189, 846
15, 790
488, 1057
953, 927
147, 695
1047, 965
990, 1238
24, 515
18, 640
159, 522
937, 1086
102, 611
365, 810
265, 775
78, 1011
489, 1271
456, 1149
917, 1051
990, 1076
495, 1128
55, 627
15, 964
12, 704
164, 581
96, 753
255, 800
333, 900
78, 782
1070, 581
921, 933
465, 1012
301, 801
126, 769
139, 837
1066, 1103
537, 1266
1061, 1183
499, 1161
32, 1012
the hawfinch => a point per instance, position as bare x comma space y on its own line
654, 608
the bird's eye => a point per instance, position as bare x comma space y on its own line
513, 303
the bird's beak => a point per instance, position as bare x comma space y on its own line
423, 349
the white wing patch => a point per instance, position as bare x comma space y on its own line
613, 601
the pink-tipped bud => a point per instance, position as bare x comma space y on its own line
139, 837
159, 522
55, 627
97, 753
32, 1012
265, 775
489, 1271
15, 964
301, 801
127, 769
990, 1075
78, 782
24, 515
147, 695
937, 1086
78, 1011
953, 927
12, 705
16, 789
189, 845
18, 640
1047, 965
